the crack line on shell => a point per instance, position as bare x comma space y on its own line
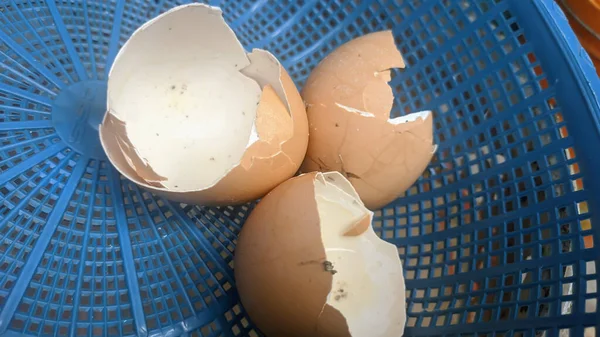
339, 150
373, 187
321, 313
345, 173
281, 152
416, 136
377, 160
319, 163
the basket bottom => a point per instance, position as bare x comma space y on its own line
76, 114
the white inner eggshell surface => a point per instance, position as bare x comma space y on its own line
368, 285
265, 69
188, 109
410, 117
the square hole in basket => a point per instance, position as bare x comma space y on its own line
591, 305
590, 268
591, 286
566, 307
564, 333
523, 312
588, 241
585, 224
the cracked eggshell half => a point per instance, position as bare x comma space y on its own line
348, 103
192, 117
308, 263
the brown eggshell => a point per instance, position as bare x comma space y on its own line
287, 247
348, 104
282, 143
308, 263
251, 97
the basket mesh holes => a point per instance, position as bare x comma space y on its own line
491, 71
375, 17
21, 145
38, 17
91, 48
240, 324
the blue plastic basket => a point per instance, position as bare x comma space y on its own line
498, 238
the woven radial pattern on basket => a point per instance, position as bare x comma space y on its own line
498, 237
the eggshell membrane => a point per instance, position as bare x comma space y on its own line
280, 264
348, 102
273, 144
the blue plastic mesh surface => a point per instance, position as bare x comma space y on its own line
498, 238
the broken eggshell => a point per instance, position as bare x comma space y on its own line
348, 103
192, 117
308, 263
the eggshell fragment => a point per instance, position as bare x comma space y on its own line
308, 263
192, 117
348, 102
